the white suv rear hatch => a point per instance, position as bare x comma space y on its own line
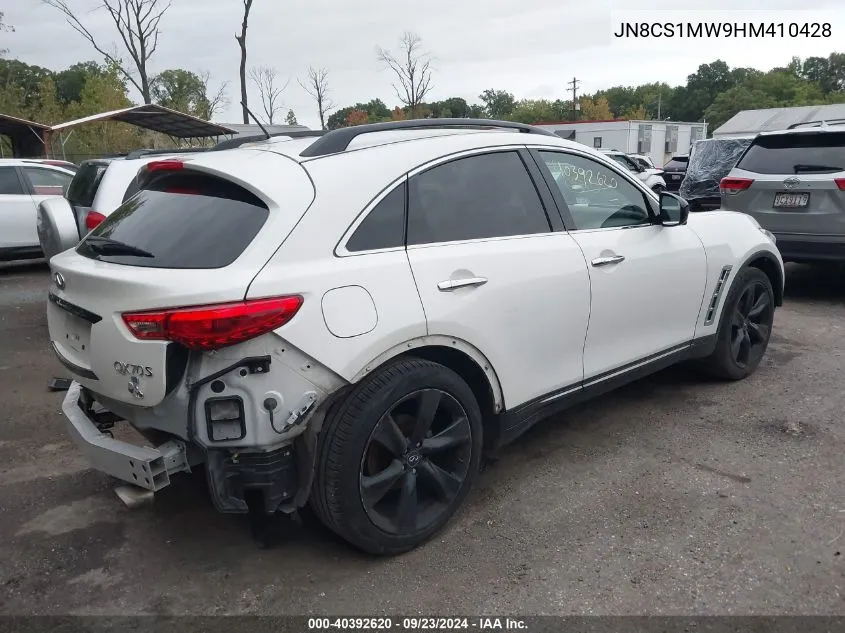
194, 237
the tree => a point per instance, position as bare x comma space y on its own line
216, 102
533, 111
498, 104
290, 119
181, 90
25, 76
266, 80
595, 109
357, 117
241, 39
137, 24
5, 28
70, 82
412, 69
398, 114
317, 85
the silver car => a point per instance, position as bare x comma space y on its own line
793, 183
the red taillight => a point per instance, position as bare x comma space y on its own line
840, 182
166, 165
214, 326
93, 219
735, 184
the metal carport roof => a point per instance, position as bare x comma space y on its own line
27, 137
156, 118
769, 119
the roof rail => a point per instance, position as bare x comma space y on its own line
338, 140
232, 143
821, 123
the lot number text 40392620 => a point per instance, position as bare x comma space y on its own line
418, 623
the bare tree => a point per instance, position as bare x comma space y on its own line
317, 85
242, 43
218, 101
137, 23
412, 67
5, 28
266, 80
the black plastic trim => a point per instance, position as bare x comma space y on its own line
20, 252
241, 419
76, 369
253, 364
338, 140
542, 188
175, 363
82, 313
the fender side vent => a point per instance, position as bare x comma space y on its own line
717, 294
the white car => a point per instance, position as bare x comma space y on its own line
644, 160
351, 321
651, 176
23, 185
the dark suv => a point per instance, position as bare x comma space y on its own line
709, 162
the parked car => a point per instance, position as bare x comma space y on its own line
349, 322
793, 183
99, 187
644, 161
674, 172
710, 160
23, 185
66, 164
650, 176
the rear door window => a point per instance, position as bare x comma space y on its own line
384, 226
84, 185
47, 182
796, 153
483, 196
179, 220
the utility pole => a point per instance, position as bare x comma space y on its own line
573, 85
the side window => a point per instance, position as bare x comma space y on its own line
47, 182
10, 184
597, 196
384, 226
484, 196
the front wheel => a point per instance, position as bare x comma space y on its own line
398, 457
744, 328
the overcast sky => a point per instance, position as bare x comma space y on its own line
531, 48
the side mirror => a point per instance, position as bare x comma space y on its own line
674, 210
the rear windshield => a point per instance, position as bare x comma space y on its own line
84, 185
179, 221
679, 162
799, 153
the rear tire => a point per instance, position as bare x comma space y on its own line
744, 327
398, 456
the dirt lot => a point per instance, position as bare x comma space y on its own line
670, 496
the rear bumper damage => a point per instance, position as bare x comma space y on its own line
146, 467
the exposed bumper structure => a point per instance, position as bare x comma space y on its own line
142, 466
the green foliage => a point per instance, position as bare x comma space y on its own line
181, 90
498, 104
70, 82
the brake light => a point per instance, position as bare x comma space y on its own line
93, 220
735, 184
214, 326
840, 182
166, 165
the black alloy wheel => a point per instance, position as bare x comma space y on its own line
416, 461
751, 324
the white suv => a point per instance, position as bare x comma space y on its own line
351, 321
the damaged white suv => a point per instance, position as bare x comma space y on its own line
350, 321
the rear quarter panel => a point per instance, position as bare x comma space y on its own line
729, 239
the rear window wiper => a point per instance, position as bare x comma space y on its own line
107, 246
802, 168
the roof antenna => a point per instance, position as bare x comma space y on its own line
255, 118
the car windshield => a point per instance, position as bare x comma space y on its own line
796, 153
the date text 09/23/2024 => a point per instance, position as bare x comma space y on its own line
418, 623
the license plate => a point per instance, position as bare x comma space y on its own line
791, 200
77, 335
676, 176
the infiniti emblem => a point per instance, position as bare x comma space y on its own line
791, 182
414, 459
134, 387
60, 281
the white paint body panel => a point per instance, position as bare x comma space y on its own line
647, 303
349, 311
18, 214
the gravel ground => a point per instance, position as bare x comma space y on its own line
670, 496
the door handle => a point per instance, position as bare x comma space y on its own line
606, 261
451, 284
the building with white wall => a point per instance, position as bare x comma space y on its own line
659, 139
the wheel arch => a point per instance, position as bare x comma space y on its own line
461, 357
768, 263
